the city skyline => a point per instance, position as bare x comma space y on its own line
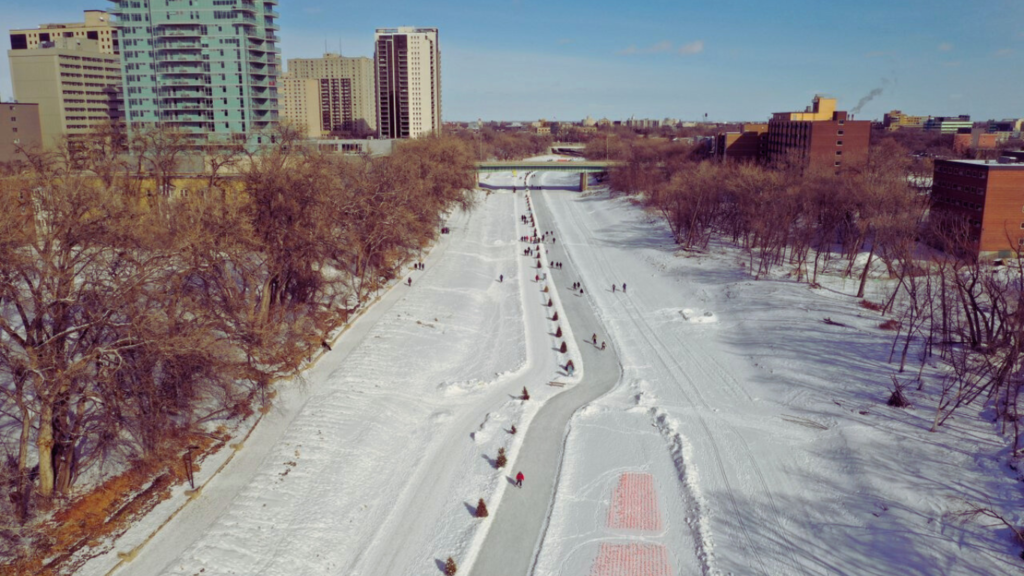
520, 60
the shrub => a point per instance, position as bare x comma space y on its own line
558, 331
501, 460
549, 302
481, 509
564, 348
513, 431
870, 305
526, 394
555, 318
449, 567
890, 325
545, 290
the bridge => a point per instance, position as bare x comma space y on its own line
519, 166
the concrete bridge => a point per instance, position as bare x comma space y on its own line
519, 166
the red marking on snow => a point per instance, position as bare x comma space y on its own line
631, 560
634, 503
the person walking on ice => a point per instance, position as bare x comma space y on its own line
623, 287
519, 479
594, 339
501, 277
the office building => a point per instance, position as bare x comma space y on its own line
209, 68
342, 89
19, 128
407, 64
747, 145
983, 199
947, 124
820, 135
76, 86
967, 141
96, 27
896, 120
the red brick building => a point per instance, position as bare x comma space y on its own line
747, 145
989, 196
821, 135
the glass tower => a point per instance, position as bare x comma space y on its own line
206, 67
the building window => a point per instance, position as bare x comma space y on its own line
14, 129
839, 152
840, 132
839, 142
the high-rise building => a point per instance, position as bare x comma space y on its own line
96, 27
896, 120
19, 128
208, 68
75, 85
408, 75
343, 89
820, 135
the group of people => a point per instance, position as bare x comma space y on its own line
419, 266
445, 230
593, 340
623, 287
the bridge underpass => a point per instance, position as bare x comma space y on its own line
584, 169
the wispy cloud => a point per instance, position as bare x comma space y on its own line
1004, 52
660, 47
695, 47
945, 47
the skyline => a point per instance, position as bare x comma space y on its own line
735, 60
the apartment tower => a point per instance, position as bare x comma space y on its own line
76, 86
96, 27
408, 75
332, 95
820, 136
205, 67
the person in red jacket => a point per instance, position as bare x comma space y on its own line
519, 479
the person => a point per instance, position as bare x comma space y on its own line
520, 478
581, 290
602, 344
410, 280
613, 288
501, 277
570, 367
623, 286
594, 339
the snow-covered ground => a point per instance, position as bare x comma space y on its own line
764, 430
746, 436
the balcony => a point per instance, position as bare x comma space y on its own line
179, 46
271, 14
164, 32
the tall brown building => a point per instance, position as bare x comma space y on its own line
19, 127
987, 196
747, 145
821, 135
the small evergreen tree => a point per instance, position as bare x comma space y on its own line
555, 318
526, 394
513, 428
549, 302
481, 509
501, 460
450, 568
564, 348
558, 332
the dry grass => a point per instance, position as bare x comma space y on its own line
870, 305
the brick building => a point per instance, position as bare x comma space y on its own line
821, 135
967, 141
988, 196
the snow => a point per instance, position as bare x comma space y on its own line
745, 436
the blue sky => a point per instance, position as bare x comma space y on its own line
731, 59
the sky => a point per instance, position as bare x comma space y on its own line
734, 60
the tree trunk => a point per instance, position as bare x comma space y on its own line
45, 448
864, 275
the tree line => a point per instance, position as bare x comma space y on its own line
134, 316
941, 299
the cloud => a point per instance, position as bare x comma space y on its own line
945, 47
1004, 52
951, 64
663, 46
695, 47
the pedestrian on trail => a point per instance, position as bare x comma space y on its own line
594, 339
581, 290
613, 288
519, 479
623, 286
570, 367
602, 344
501, 277
410, 280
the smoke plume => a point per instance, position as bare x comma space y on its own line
870, 96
